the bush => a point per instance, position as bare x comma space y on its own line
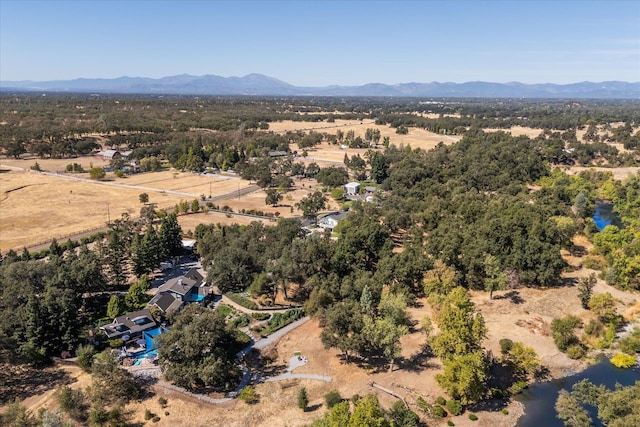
576, 351
505, 411
73, 402
303, 399
225, 310
438, 411
622, 360
249, 395
473, 417
241, 321
454, 407
332, 398
148, 414
162, 401
155, 419
240, 300
441, 400
450, 423
280, 320
498, 393
85, 355
260, 316
631, 343
505, 345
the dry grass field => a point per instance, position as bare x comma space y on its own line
36, 207
417, 138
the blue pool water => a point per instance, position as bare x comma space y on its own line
144, 356
604, 215
194, 298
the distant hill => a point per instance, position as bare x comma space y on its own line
258, 84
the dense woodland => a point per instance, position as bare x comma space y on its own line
489, 212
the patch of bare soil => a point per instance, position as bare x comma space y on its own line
619, 174
36, 388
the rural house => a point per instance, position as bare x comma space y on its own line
130, 325
331, 220
173, 294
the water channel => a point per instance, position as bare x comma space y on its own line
540, 398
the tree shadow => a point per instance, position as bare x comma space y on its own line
568, 281
417, 362
313, 407
578, 251
21, 381
513, 296
489, 405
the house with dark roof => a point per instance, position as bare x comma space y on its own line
173, 294
130, 325
331, 220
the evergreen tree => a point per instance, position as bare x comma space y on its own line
170, 236
303, 399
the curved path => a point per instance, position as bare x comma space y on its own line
248, 375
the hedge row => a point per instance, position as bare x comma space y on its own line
239, 299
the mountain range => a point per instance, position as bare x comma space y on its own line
261, 85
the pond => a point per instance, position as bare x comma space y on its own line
539, 399
604, 215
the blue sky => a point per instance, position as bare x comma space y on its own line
318, 43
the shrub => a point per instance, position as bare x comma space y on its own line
441, 400
240, 300
148, 414
280, 320
498, 393
303, 399
85, 355
450, 423
438, 411
225, 310
473, 417
454, 407
505, 411
631, 343
73, 402
505, 345
162, 401
622, 360
241, 321
155, 419
260, 316
332, 398
576, 351
249, 395
593, 328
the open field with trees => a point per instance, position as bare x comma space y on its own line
475, 268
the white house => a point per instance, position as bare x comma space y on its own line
331, 220
352, 188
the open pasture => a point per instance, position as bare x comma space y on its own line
417, 138
36, 207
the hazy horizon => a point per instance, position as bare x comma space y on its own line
317, 44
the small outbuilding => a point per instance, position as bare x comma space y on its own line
352, 188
